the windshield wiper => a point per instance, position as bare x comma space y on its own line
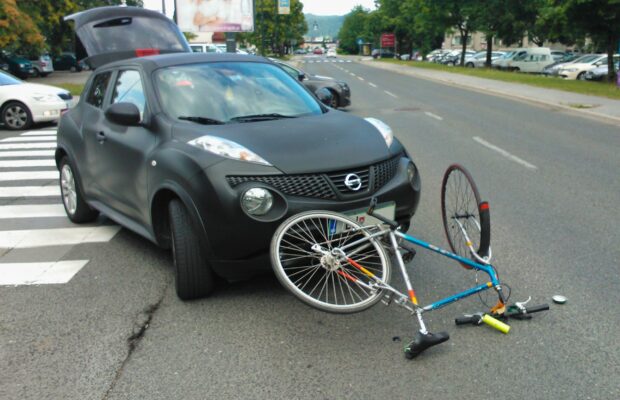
203, 120
261, 117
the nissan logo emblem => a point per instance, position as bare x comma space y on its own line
353, 182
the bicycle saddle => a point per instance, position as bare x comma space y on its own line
423, 341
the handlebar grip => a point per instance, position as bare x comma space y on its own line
534, 309
472, 319
497, 324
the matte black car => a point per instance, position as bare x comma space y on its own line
66, 62
340, 91
207, 153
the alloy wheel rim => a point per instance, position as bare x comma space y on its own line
69, 194
15, 117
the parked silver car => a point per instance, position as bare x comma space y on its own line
41, 65
479, 59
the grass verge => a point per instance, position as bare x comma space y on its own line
74, 88
603, 89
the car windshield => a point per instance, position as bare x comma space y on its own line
6, 79
586, 59
232, 91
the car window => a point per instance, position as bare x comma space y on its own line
6, 79
128, 89
97, 91
197, 49
289, 70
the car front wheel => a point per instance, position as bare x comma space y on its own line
16, 115
193, 276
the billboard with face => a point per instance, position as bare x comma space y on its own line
215, 15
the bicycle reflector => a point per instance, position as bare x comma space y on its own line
483, 206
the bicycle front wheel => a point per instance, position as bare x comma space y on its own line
303, 260
461, 211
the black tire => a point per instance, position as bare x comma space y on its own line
335, 103
469, 65
460, 200
581, 76
78, 211
35, 73
302, 270
73, 68
194, 278
16, 116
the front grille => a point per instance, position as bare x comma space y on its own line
328, 186
294, 185
338, 180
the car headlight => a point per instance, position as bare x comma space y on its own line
257, 201
22, 65
227, 148
44, 97
384, 129
570, 70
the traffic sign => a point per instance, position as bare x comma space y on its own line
360, 41
388, 40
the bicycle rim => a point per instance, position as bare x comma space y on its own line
318, 279
460, 201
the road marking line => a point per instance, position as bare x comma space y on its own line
390, 94
40, 273
345, 70
26, 163
32, 211
30, 191
29, 139
504, 153
26, 153
27, 175
360, 78
39, 133
13, 146
56, 237
352, 74
372, 84
348, 61
430, 114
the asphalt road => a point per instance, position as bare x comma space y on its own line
552, 182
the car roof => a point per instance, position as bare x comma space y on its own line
151, 63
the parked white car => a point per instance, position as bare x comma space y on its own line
478, 59
331, 53
577, 70
23, 104
532, 60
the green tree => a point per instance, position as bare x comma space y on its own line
599, 19
18, 32
354, 26
273, 31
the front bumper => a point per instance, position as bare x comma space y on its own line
46, 112
240, 244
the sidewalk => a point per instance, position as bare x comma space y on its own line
599, 108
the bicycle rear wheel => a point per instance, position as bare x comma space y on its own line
319, 278
460, 203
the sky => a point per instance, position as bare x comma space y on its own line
318, 7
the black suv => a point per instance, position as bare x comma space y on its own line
207, 153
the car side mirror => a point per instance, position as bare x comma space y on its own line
325, 96
301, 76
124, 114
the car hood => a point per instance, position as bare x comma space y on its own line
329, 142
31, 88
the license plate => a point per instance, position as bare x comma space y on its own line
387, 210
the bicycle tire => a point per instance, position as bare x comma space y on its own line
301, 270
460, 199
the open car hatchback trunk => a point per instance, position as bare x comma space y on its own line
108, 34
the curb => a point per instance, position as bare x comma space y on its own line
406, 70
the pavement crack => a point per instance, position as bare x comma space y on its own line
141, 324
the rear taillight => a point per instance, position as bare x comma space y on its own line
43, 64
146, 52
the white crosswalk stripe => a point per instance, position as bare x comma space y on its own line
35, 150
39, 273
27, 175
29, 139
38, 133
26, 163
13, 146
27, 153
32, 211
30, 191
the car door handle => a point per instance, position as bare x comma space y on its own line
101, 137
